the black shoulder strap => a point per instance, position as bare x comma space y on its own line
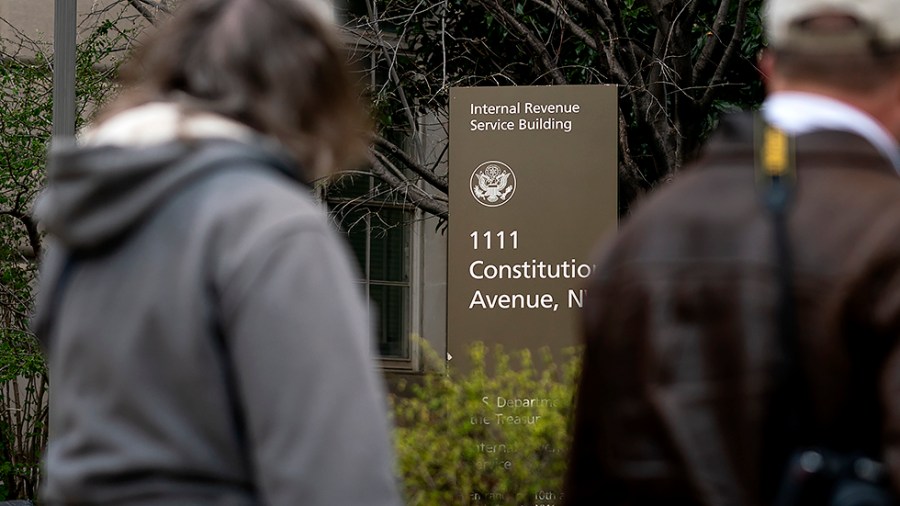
776, 175
790, 405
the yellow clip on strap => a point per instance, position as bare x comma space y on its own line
774, 154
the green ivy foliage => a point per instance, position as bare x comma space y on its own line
496, 433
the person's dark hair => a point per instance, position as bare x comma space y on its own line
274, 65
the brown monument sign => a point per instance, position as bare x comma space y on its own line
532, 186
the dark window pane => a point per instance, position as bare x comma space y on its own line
379, 238
390, 246
354, 223
362, 190
391, 325
349, 186
357, 7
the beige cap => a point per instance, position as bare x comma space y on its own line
324, 9
878, 25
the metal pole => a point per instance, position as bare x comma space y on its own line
64, 24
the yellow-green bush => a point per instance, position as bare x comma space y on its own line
496, 433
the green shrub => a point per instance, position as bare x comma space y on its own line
494, 434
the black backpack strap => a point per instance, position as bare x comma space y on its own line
776, 174
790, 405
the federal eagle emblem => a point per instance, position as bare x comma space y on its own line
493, 184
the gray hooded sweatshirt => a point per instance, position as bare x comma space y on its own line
206, 336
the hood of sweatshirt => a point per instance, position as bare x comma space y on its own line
101, 190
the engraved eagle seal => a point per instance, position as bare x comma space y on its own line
493, 183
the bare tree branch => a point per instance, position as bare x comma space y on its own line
704, 61
729, 55
143, 10
392, 69
630, 61
395, 151
576, 5
567, 20
535, 44
383, 169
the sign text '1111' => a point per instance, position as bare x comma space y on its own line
495, 240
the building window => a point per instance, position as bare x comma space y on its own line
379, 231
358, 8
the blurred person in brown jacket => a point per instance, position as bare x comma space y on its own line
684, 354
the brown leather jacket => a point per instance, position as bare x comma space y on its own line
681, 334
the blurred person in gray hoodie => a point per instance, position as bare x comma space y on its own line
206, 338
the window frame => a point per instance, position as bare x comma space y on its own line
412, 313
